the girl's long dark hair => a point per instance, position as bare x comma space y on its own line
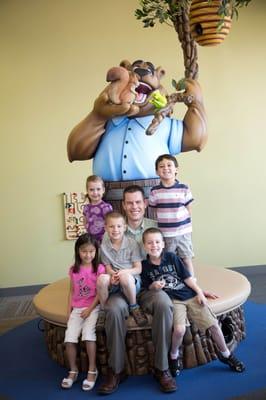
86, 239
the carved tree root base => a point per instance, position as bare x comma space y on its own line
197, 349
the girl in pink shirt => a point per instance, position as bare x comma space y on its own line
83, 309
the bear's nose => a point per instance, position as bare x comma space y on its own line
142, 71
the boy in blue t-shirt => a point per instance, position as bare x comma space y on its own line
165, 271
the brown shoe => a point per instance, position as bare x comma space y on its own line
111, 382
139, 316
166, 381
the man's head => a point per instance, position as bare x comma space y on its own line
134, 204
115, 226
153, 242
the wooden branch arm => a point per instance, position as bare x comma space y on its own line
195, 120
168, 110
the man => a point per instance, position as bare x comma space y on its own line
134, 205
156, 303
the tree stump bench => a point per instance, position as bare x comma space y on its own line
232, 288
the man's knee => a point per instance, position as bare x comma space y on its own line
116, 307
162, 302
156, 303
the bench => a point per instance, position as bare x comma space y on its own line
232, 288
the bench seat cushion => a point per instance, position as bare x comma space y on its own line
232, 288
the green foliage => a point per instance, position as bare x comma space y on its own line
229, 8
180, 86
165, 11
174, 83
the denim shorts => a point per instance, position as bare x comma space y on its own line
118, 289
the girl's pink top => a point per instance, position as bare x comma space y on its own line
84, 285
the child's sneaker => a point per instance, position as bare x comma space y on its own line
138, 315
174, 366
233, 363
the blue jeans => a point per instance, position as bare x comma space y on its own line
118, 289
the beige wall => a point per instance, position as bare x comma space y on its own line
54, 58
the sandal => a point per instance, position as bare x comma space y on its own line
68, 382
233, 362
88, 385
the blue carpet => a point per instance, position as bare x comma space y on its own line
27, 372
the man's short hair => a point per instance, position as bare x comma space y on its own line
133, 189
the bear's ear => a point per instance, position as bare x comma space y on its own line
126, 64
160, 72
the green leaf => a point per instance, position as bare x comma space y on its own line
181, 84
174, 83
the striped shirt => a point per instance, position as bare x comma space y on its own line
171, 208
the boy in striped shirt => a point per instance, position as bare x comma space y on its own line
172, 201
